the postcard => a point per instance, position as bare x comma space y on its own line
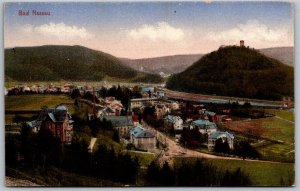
149, 94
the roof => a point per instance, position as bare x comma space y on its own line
60, 115
140, 132
218, 134
34, 123
204, 123
62, 107
172, 117
144, 99
57, 114
147, 89
209, 113
160, 93
52, 117
118, 121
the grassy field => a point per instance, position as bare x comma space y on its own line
278, 152
144, 158
285, 114
34, 102
278, 128
282, 131
260, 173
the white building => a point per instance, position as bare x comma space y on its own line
175, 122
225, 136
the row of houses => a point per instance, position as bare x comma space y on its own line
204, 126
129, 128
59, 121
23, 88
105, 107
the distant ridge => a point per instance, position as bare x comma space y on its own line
283, 54
165, 64
52, 62
178, 63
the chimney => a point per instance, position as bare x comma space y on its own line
242, 43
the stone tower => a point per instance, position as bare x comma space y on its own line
242, 43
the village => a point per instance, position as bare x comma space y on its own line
147, 120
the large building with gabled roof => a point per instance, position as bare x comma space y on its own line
57, 120
142, 139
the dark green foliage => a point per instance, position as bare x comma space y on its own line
167, 175
75, 93
91, 97
118, 167
12, 148
244, 149
236, 178
192, 138
76, 157
157, 176
148, 78
153, 174
221, 146
124, 94
197, 173
39, 149
28, 144
148, 114
236, 71
116, 136
43, 150
48, 63
49, 148
96, 125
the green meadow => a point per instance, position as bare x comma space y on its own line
34, 103
260, 173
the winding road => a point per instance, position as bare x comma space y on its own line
175, 150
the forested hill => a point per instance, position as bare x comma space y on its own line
236, 71
46, 63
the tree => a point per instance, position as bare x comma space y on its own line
49, 148
244, 149
236, 178
102, 92
157, 176
77, 158
89, 96
167, 175
221, 146
28, 144
152, 173
12, 148
116, 136
75, 93
193, 138
148, 114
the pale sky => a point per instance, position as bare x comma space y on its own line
141, 30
